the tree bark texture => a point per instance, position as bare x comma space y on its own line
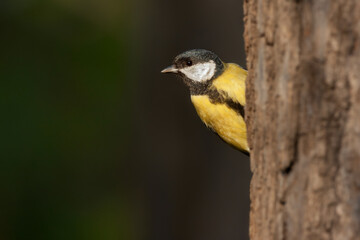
303, 117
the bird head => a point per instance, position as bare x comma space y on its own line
197, 67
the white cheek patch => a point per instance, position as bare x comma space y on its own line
200, 72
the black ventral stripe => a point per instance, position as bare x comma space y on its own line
237, 107
215, 97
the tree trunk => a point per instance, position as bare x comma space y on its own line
303, 116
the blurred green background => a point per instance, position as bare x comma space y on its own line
96, 143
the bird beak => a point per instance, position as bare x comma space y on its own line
170, 69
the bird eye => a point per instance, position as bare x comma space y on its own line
189, 63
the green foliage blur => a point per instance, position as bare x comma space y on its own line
95, 143
64, 123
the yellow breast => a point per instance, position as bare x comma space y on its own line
221, 118
232, 82
228, 124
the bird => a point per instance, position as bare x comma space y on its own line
217, 91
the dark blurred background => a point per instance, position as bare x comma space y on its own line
96, 143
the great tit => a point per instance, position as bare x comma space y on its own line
217, 91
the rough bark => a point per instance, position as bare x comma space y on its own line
303, 116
